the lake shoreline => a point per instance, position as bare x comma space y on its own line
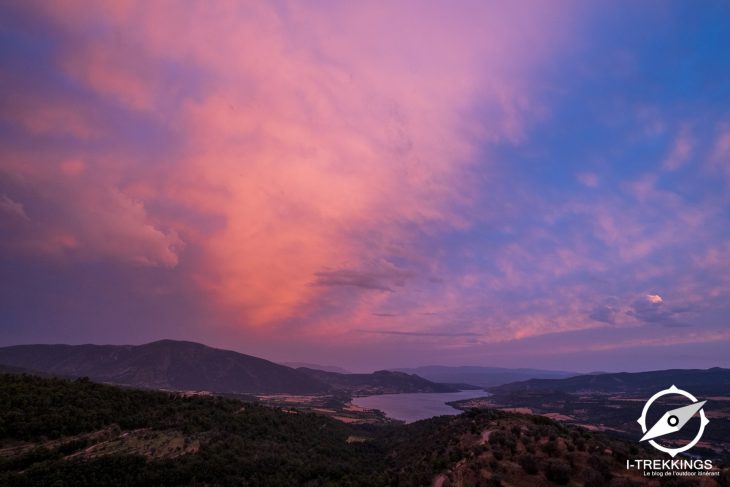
411, 407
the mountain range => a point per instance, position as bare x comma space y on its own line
181, 365
715, 381
483, 376
381, 382
326, 368
165, 364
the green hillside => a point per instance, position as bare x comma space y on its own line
55, 432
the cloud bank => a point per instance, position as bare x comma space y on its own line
366, 173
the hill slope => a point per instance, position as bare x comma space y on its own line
180, 365
483, 376
715, 381
380, 382
326, 368
77, 433
165, 364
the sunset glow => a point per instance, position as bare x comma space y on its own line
370, 184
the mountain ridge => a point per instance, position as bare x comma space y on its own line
309, 365
381, 382
714, 380
480, 375
163, 364
184, 365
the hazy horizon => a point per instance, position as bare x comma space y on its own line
356, 370
371, 185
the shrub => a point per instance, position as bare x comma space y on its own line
497, 437
679, 482
557, 471
622, 482
724, 479
594, 478
599, 464
528, 464
551, 448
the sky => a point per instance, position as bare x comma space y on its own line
370, 184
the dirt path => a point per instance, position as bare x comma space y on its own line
485, 437
439, 480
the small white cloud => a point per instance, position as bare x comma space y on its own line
654, 298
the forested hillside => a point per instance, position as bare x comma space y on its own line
58, 433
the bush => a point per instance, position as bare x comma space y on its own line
594, 478
557, 471
724, 478
599, 464
679, 482
497, 438
622, 482
528, 464
620, 452
551, 448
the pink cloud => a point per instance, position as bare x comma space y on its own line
44, 114
681, 150
684, 338
720, 157
588, 179
82, 212
12, 207
313, 134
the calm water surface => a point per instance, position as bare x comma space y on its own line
414, 407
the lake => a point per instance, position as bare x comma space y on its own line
414, 407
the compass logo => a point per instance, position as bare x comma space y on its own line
673, 421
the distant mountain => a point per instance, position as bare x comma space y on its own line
326, 368
165, 364
9, 369
483, 376
380, 382
715, 381
179, 365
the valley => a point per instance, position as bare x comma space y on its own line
613, 402
245, 423
56, 432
